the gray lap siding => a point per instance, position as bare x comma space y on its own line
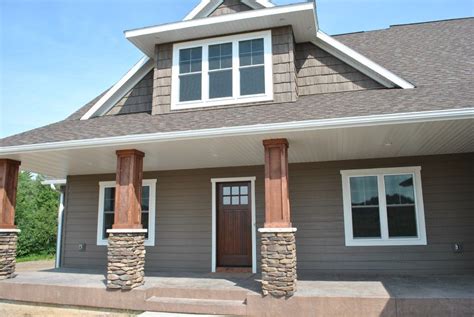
183, 218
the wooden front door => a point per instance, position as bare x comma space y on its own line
234, 224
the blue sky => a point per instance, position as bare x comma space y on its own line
56, 55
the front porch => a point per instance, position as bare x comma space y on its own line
239, 294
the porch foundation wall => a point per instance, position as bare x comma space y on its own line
126, 260
8, 242
278, 263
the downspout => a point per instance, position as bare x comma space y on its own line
60, 185
60, 227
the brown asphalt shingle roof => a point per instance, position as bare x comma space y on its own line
438, 57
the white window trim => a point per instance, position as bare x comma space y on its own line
236, 98
214, 182
384, 240
151, 213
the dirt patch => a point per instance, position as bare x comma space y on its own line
32, 266
11, 309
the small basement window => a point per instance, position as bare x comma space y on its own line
107, 210
383, 207
222, 71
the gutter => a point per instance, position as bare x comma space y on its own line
258, 129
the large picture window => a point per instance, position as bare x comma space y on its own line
107, 209
220, 71
383, 207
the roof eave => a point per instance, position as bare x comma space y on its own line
303, 14
360, 121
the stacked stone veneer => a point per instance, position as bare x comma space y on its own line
278, 263
126, 260
8, 241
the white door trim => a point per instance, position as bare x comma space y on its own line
214, 181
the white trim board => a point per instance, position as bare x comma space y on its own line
307, 125
214, 182
121, 88
206, 7
360, 62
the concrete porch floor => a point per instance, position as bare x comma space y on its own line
238, 294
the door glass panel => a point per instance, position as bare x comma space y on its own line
243, 190
235, 200
365, 207
226, 201
244, 200
235, 190
226, 190
401, 212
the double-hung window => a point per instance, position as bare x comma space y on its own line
222, 71
107, 210
383, 207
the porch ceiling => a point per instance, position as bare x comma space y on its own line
323, 144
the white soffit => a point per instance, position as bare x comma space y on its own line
127, 82
206, 7
356, 142
360, 62
301, 17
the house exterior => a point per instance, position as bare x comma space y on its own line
248, 139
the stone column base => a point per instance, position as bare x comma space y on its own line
278, 261
8, 241
126, 258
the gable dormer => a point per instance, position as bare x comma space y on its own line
229, 53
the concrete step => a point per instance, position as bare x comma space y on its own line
197, 306
199, 293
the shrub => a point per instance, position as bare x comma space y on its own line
36, 216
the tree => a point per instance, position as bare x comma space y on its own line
36, 216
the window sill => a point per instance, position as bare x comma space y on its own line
386, 242
104, 243
221, 102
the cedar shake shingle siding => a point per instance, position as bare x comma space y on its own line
436, 57
284, 72
230, 6
319, 72
183, 219
138, 99
162, 79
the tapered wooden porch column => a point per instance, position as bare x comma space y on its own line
128, 190
8, 233
278, 236
126, 242
277, 201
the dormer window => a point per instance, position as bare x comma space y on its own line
222, 71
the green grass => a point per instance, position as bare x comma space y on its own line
35, 257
